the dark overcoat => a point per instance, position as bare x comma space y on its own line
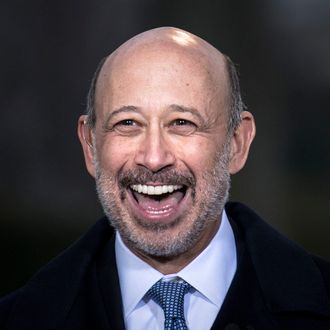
277, 285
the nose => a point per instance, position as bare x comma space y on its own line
154, 151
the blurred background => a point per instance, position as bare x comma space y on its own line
49, 51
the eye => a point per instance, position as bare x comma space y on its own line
182, 122
126, 127
126, 122
183, 126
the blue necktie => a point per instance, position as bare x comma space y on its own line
169, 295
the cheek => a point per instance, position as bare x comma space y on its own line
114, 153
198, 154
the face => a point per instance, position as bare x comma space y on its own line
161, 152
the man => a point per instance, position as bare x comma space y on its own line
165, 129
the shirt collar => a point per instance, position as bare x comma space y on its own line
218, 263
135, 276
217, 260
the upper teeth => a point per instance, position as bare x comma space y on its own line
155, 190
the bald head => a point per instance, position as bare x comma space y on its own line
169, 49
169, 40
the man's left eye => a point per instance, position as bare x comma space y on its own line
182, 122
182, 126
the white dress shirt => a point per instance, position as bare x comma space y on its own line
210, 274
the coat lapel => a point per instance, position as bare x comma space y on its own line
109, 286
244, 306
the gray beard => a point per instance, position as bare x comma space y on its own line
212, 200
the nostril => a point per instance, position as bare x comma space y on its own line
155, 152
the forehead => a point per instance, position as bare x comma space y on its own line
156, 70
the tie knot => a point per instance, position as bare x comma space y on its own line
169, 295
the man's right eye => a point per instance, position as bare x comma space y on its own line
126, 127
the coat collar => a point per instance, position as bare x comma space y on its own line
288, 276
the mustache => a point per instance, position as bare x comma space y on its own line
168, 176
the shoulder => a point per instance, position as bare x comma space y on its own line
290, 278
55, 285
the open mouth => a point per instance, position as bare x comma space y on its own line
158, 201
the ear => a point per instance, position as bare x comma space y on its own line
241, 142
85, 136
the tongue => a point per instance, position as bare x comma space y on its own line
158, 203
